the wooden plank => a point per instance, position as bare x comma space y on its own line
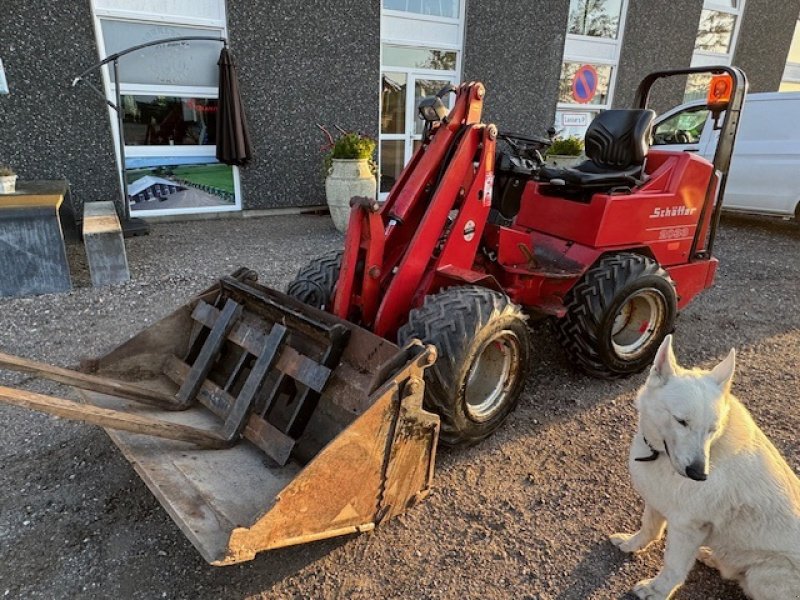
273, 395
279, 309
307, 400
297, 366
213, 397
113, 419
235, 421
208, 353
268, 438
94, 383
236, 370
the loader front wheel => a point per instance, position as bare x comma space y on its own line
314, 283
617, 316
484, 349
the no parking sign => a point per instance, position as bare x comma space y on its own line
584, 84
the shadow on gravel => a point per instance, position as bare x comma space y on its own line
589, 577
590, 574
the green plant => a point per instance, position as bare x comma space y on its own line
349, 145
6, 172
570, 146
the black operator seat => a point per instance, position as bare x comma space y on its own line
616, 143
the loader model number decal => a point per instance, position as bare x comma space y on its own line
469, 230
674, 233
672, 211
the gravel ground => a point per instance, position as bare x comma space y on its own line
525, 514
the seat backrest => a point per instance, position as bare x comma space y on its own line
619, 138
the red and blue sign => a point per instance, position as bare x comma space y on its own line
584, 84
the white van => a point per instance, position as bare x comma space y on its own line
764, 173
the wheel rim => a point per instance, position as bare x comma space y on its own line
492, 376
637, 323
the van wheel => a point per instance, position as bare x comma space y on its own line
617, 316
314, 283
484, 349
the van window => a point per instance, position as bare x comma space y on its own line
684, 127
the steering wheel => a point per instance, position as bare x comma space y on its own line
681, 137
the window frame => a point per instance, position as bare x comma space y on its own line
214, 27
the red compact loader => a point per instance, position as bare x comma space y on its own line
470, 239
259, 421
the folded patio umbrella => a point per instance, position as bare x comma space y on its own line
233, 138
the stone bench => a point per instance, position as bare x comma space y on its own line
105, 248
33, 259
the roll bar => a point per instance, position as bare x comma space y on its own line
725, 142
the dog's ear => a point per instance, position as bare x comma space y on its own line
665, 365
722, 374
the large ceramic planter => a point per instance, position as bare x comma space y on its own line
8, 183
565, 161
348, 178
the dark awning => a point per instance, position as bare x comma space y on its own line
233, 138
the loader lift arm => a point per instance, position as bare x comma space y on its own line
435, 211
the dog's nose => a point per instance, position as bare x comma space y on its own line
696, 471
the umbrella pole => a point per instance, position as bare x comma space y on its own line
130, 227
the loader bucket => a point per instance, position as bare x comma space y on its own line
259, 422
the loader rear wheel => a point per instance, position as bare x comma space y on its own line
314, 283
484, 349
618, 315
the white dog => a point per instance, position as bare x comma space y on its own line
710, 475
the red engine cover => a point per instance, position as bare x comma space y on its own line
663, 214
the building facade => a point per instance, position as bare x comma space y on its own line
357, 64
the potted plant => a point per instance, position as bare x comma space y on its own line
350, 172
8, 180
565, 152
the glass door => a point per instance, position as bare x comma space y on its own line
401, 127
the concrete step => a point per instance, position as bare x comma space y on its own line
105, 247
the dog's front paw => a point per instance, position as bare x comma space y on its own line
647, 590
627, 542
706, 556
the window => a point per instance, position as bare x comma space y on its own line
696, 87
685, 127
179, 63
435, 8
169, 121
419, 58
791, 74
715, 32
393, 102
594, 18
169, 104
794, 49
